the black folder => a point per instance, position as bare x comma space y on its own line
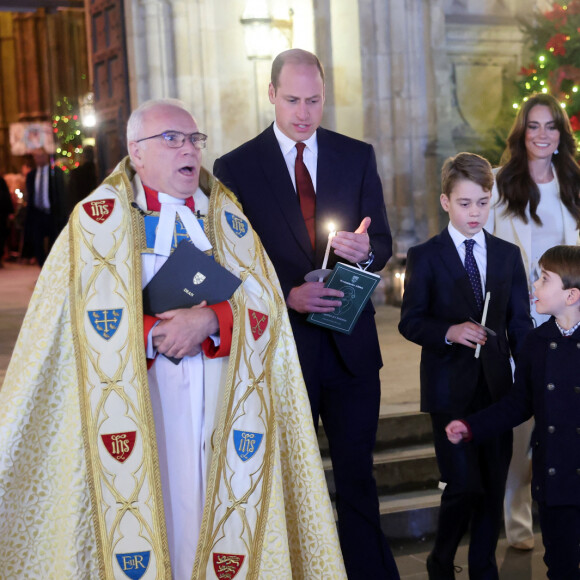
188, 277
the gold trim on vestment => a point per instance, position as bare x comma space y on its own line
54, 471
255, 389
128, 519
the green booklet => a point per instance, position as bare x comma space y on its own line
357, 285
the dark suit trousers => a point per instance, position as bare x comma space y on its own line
475, 475
561, 536
349, 408
43, 228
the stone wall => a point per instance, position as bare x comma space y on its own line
194, 50
419, 79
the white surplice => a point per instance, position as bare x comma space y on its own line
178, 402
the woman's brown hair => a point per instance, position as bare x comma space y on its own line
515, 184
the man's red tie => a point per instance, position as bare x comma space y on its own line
306, 194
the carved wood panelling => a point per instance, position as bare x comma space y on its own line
111, 87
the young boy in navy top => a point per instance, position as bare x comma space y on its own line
547, 385
446, 281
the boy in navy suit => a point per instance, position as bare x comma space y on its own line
547, 386
446, 280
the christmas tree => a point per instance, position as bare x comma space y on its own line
554, 44
66, 126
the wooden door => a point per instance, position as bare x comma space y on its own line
110, 80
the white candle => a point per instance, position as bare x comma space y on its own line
331, 235
483, 318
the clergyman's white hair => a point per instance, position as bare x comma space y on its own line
135, 123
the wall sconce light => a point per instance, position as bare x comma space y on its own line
87, 110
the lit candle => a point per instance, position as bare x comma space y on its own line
331, 235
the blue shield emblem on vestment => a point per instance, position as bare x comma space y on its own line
247, 443
106, 322
134, 564
239, 226
179, 231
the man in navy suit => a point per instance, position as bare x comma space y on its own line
445, 283
46, 212
341, 371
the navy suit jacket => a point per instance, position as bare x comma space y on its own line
546, 386
56, 196
348, 188
438, 294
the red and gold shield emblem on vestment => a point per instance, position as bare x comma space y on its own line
99, 209
120, 445
226, 566
258, 323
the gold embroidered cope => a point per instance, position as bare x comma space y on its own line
68, 506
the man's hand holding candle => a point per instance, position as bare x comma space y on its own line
353, 246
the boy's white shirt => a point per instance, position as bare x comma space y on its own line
479, 250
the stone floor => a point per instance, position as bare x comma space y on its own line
16, 286
400, 372
400, 380
513, 564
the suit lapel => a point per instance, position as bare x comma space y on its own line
495, 274
493, 280
281, 188
329, 190
451, 261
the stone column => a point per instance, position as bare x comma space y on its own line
194, 50
195, 67
323, 49
151, 35
440, 104
394, 61
214, 77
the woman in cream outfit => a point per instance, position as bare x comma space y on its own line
535, 204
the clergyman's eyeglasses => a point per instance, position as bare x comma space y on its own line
176, 139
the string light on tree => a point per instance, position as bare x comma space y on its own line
553, 38
66, 126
